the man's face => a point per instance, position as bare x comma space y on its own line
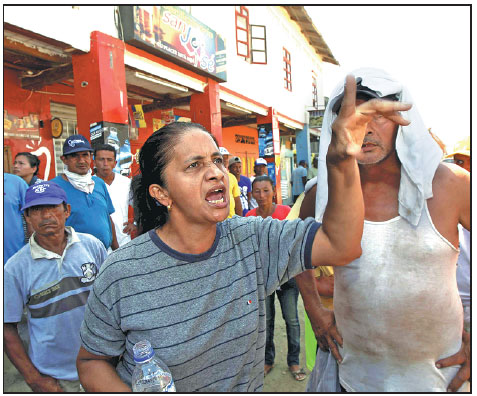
236, 169
463, 161
260, 170
104, 161
47, 220
379, 142
79, 162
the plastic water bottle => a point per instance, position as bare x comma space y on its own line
150, 373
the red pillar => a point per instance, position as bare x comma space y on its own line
100, 83
272, 118
205, 109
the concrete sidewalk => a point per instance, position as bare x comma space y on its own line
278, 380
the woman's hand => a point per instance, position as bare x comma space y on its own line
350, 126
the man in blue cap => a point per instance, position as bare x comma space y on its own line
88, 195
51, 276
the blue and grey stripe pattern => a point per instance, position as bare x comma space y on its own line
203, 314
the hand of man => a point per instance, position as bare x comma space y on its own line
463, 358
349, 127
129, 228
326, 332
45, 384
325, 285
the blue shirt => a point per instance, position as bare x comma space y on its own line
14, 188
245, 187
297, 175
54, 289
90, 212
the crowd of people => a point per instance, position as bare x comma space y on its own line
376, 244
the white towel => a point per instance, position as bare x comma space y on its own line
417, 150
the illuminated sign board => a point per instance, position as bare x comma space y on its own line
170, 32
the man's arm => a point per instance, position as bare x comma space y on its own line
238, 206
15, 350
322, 320
114, 243
338, 241
98, 373
460, 189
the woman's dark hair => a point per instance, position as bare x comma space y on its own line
263, 178
32, 159
154, 156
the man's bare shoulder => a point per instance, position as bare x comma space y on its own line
450, 176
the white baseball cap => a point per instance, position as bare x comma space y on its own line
260, 161
224, 151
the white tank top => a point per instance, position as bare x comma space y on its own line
398, 309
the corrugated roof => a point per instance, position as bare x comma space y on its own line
299, 15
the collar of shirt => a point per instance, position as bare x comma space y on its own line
38, 252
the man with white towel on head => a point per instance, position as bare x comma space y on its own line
397, 307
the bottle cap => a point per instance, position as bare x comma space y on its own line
142, 351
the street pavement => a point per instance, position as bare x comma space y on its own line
278, 380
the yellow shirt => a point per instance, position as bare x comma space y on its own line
234, 193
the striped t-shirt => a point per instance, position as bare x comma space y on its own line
204, 314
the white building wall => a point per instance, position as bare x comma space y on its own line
265, 83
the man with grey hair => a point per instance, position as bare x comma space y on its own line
397, 307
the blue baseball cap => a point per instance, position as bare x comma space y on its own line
44, 193
76, 143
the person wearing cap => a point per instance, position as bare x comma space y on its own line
234, 190
397, 307
88, 195
119, 188
260, 169
51, 276
298, 180
235, 167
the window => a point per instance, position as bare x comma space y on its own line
67, 115
314, 90
258, 44
287, 69
242, 28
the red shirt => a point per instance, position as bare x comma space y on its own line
280, 213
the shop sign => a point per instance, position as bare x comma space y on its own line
171, 32
244, 139
27, 127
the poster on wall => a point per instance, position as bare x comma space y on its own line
265, 141
116, 135
26, 127
171, 32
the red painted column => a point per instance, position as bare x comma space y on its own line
100, 83
272, 118
205, 109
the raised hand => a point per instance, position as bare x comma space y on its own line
350, 126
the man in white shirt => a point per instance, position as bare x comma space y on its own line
119, 188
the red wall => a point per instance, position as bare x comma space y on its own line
20, 103
247, 152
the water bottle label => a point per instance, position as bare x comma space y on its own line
170, 387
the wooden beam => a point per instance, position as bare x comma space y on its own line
166, 104
32, 51
47, 77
